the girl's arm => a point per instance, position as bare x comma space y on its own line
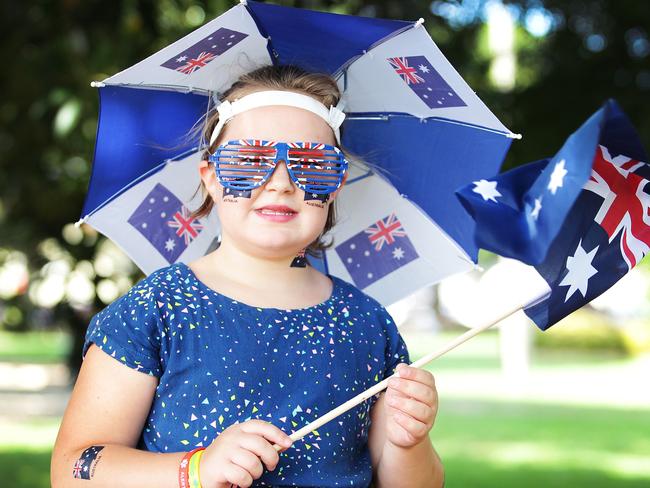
400, 449
102, 424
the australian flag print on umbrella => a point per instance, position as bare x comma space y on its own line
376, 251
580, 218
401, 96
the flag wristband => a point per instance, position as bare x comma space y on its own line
183, 469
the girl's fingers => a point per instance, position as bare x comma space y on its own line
412, 407
416, 374
248, 461
238, 476
412, 426
420, 391
261, 448
268, 431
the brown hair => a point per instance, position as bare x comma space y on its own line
320, 86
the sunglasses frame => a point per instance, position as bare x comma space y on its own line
339, 164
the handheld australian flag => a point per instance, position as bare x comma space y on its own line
581, 218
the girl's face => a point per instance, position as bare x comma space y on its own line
242, 220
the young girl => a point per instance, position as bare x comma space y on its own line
199, 374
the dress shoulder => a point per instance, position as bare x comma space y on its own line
129, 329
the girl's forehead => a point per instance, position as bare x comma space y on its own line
279, 123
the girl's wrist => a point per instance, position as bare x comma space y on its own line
188, 470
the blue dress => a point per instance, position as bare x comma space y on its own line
220, 361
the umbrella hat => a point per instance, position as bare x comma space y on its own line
407, 111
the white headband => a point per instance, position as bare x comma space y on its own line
227, 110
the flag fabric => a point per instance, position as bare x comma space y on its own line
207, 49
165, 222
418, 73
581, 218
376, 251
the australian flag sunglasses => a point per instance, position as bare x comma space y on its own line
244, 164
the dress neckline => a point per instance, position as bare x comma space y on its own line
206, 288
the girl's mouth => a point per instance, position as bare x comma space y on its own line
276, 213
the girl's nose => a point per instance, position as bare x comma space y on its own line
280, 180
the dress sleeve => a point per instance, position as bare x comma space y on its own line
396, 351
129, 329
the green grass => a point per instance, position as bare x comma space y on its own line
34, 346
483, 440
526, 444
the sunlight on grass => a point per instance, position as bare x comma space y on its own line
32, 434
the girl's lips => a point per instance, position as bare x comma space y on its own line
274, 214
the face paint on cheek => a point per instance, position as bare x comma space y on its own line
312, 198
229, 195
82, 466
300, 261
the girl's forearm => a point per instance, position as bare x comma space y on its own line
115, 465
413, 467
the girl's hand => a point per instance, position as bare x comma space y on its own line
412, 405
235, 456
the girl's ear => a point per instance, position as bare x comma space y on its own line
336, 193
208, 177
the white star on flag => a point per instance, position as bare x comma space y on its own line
538, 206
487, 189
579, 271
423, 68
398, 253
170, 244
557, 176
180, 59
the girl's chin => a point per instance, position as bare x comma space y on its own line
277, 246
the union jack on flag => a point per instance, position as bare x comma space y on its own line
194, 64
374, 252
384, 232
625, 207
76, 469
198, 55
186, 226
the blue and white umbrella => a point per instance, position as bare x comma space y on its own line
397, 231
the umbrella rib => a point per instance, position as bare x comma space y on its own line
130, 185
388, 115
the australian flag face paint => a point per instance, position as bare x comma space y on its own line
230, 192
317, 197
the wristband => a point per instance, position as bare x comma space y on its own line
183, 469
193, 470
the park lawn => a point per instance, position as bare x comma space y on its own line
483, 442
34, 346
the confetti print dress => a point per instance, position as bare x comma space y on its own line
219, 361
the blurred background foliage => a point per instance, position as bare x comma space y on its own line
565, 58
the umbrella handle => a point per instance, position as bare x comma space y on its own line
540, 292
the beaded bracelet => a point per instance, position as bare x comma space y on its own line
183, 470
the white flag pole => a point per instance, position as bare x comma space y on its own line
539, 291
